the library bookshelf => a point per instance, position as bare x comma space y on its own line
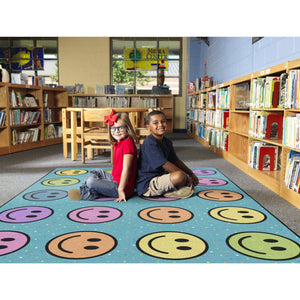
166, 102
31, 116
238, 129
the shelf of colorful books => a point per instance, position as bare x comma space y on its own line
27, 109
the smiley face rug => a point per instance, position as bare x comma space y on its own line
220, 223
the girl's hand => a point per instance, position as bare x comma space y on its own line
121, 197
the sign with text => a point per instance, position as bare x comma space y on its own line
146, 59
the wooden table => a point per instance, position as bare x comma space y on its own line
70, 117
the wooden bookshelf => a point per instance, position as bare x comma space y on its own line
238, 131
53, 99
133, 100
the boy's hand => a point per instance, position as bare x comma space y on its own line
194, 179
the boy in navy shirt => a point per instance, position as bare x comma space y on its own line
160, 171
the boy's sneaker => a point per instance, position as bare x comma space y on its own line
184, 192
74, 194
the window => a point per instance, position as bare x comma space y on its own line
143, 80
45, 66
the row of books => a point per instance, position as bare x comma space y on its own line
26, 136
291, 131
53, 132
199, 84
88, 102
198, 115
16, 100
217, 138
24, 117
292, 171
2, 118
265, 92
197, 101
219, 118
263, 156
48, 115
265, 125
75, 89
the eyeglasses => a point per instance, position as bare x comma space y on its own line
119, 128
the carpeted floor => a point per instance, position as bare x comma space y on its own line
220, 223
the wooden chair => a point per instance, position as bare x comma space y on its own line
70, 127
94, 133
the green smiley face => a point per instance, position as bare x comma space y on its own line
264, 245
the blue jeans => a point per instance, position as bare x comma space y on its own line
98, 184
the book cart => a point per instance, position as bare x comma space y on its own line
238, 128
126, 100
30, 116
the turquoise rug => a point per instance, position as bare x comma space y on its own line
220, 223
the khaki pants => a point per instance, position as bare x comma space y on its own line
160, 185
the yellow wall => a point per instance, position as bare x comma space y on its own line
87, 60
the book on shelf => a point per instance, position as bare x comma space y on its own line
70, 88
110, 89
2, 118
120, 89
291, 131
100, 89
211, 100
78, 88
283, 89
223, 97
292, 171
263, 156
53, 132
242, 96
45, 99
191, 87
292, 100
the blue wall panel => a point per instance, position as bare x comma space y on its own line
231, 57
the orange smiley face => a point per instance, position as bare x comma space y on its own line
220, 195
81, 244
165, 214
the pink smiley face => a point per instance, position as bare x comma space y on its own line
11, 241
94, 214
211, 182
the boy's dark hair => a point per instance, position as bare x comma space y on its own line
152, 113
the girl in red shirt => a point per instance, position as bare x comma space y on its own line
120, 183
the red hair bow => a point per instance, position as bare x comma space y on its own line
111, 119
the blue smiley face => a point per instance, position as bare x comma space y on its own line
45, 195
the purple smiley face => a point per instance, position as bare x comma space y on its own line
11, 241
94, 214
25, 214
204, 172
211, 182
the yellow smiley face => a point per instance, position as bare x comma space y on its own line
239, 215
172, 245
71, 172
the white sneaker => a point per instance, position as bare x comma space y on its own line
184, 192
